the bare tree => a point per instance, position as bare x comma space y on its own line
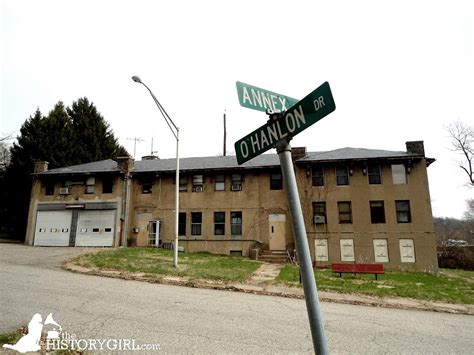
462, 137
4, 152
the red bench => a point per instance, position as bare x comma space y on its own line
358, 269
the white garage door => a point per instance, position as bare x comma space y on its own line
53, 228
95, 228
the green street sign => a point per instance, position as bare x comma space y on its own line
303, 114
263, 100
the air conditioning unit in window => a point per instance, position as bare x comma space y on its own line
236, 187
64, 190
319, 220
198, 189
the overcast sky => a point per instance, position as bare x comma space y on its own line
398, 70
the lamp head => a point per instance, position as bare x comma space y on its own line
136, 79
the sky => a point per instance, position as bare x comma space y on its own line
398, 71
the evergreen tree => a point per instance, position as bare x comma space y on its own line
67, 136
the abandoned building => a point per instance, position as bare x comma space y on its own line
359, 205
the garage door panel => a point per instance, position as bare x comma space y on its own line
53, 228
95, 228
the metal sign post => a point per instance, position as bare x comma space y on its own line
277, 133
309, 284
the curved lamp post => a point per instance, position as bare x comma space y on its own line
175, 130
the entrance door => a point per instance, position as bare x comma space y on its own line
277, 232
154, 233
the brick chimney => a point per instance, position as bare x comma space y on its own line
125, 164
416, 147
298, 153
41, 166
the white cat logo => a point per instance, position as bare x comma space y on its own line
31, 341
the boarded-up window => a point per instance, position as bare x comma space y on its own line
347, 249
398, 174
380, 250
407, 251
321, 250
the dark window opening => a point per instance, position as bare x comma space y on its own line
182, 223
377, 212
196, 223
107, 185
317, 176
276, 182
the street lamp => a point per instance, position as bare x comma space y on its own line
175, 130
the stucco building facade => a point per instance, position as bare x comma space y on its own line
359, 205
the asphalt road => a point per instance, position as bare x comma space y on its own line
188, 320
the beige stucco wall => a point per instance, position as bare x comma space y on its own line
362, 231
76, 196
256, 201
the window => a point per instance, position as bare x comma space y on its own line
49, 188
317, 174
107, 185
345, 212
147, 185
196, 223
182, 223
380, 250
95, 230
276, 181
375, 175
198, 183
407, 250
398, 174
235, 253
219, 223
183, 183
342, 175
108, 230
319, 212
403, 211
321, 250
90, 185
377, 212
236, 223
220, 183
236, 182
347, 249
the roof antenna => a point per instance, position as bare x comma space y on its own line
225, 134
135, 139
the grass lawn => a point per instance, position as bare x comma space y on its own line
159, 262
452, 286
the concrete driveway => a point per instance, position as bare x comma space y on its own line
187, 320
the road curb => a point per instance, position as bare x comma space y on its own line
288, 292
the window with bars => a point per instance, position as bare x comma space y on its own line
219, 223
345, 211
196, 223
317, 175
403, 211
236, 223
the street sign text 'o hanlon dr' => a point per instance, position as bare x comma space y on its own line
300, 116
